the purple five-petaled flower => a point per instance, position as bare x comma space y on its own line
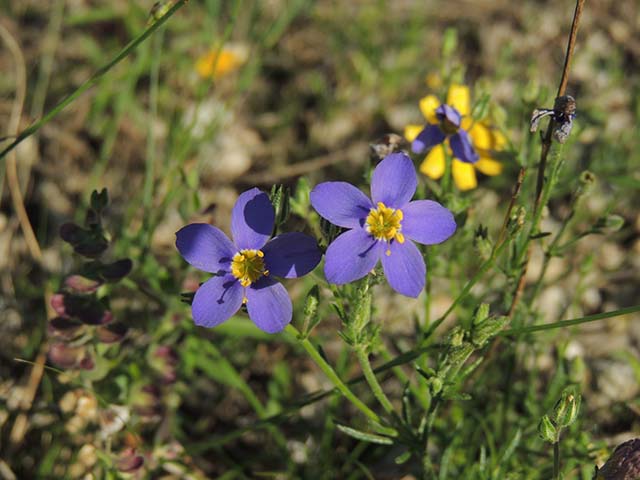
244, 269
380, 227
448, 126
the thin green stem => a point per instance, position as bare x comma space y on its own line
332, 375
447, 178
556, 460
376, 388
132, 45
469, 285
404, 378
571, 322
552, 247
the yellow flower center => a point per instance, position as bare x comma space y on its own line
248, 266
384, 223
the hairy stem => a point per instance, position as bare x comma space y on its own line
376, 388
332, 375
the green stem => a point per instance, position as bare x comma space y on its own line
556, 460
469, 285
447, 178
375, 386
552, 248
404, 378
573, 321
332, 375
132, 45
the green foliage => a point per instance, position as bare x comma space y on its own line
477, 379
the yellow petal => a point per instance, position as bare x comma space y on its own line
433, 80
459, 98
499, 140
433, 164
464, 175
412, 131
217, 63
428, 107
481, 137
489, 166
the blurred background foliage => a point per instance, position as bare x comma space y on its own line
229, 95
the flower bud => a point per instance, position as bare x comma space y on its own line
57, 303
64, 328
80, 284
311, 317
587, 179
65, 356
329, 230
487, 329
481, 315
547, 430
111, 333
128, 461
456, 337
115, 271
280, 200
566, 410
609, 223
435, 385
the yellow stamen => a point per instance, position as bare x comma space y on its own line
248, 266
384, 223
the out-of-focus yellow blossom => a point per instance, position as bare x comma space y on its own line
485, 139
218, 62
433, 80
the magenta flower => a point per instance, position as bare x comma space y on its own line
244, 269
379, 228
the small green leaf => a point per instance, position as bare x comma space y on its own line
403, 458
364, 436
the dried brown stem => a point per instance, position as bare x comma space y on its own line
546, 146
12, 171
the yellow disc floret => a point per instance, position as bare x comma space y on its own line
384, 223
248, 266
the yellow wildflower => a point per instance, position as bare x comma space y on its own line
218, 62
485, 139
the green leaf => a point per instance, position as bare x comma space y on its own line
364, 436
403, 458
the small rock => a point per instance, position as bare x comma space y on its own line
616, 380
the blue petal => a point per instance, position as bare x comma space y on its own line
394, 181
341, 203
427, 222
449, 113
252, 220
216, 300
462, 148
291, 255
205, 247
351, 256
427, 138
269, 305
404, 268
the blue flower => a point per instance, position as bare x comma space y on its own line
379, 228
244, 269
